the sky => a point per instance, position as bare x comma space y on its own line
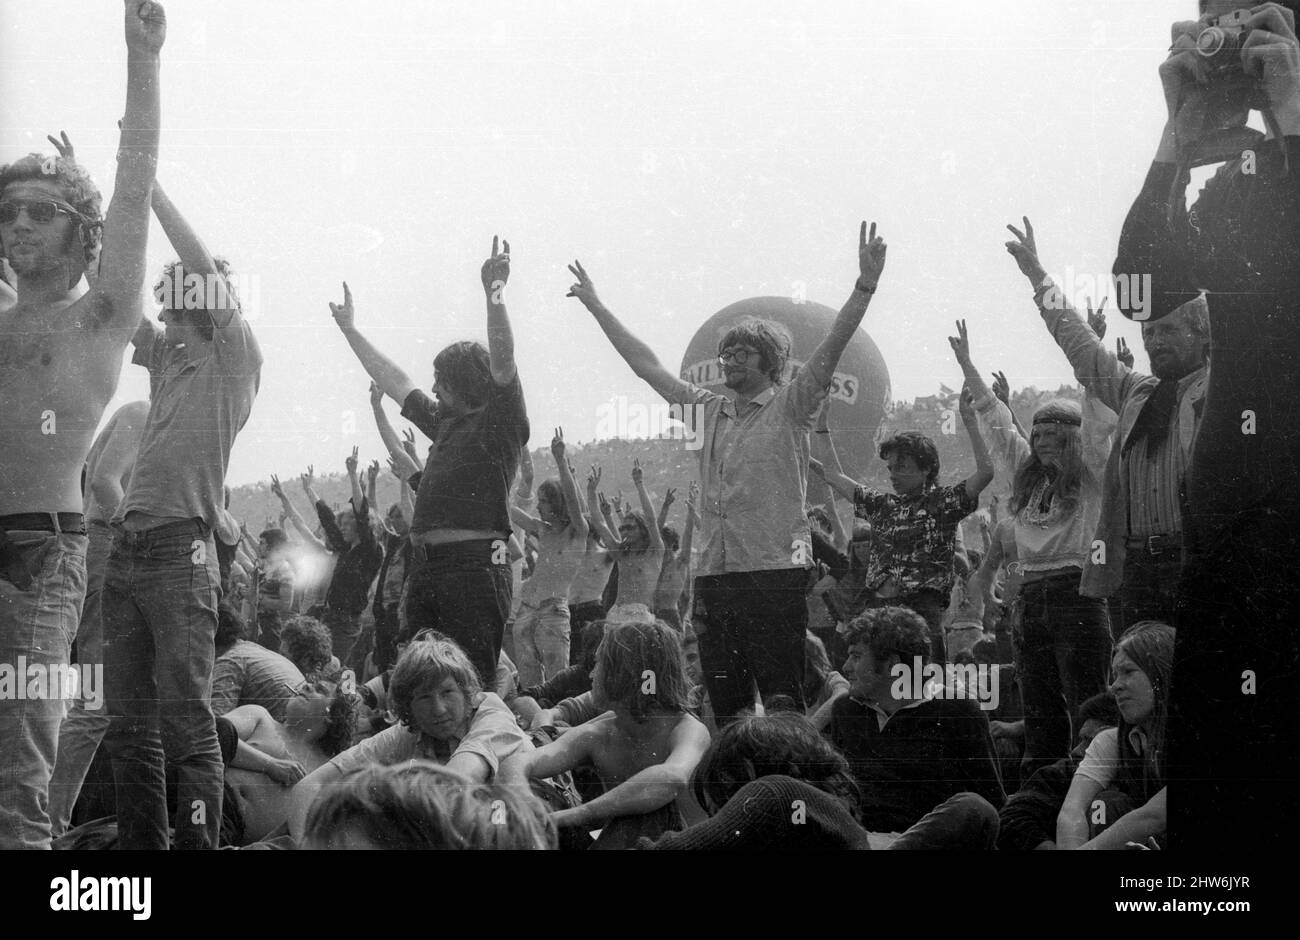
690, 154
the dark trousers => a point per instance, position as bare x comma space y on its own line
268, 629
1234, 738
344, 629
1150, 588
160, 616
1063, 658
751, 629
579, 616
457, 590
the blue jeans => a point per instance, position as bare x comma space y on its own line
37, 624
542, 638
84, 727
160, 617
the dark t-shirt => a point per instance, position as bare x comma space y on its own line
472, 461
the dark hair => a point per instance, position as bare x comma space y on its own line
771, 339
636, 517
172, 283
752, 747
632, 653
592, 634
230, 627
819, 515
671, 539
306, 642
916, 445
466, 369
551, 491
1150, 644
275, 537
79, 191
341, 717
891, 630
425, 662
1101, 707
422, 805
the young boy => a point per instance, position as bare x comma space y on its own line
645, 747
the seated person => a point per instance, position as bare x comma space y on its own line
424, 805
773, 782
247, 673
270, 757
1117, 795
1028, 820
444, 716
908, 754
306, 643
823, 686
644, 748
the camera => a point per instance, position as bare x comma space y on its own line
1219, 45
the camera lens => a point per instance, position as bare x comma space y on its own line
1210, 41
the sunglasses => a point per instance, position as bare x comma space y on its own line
739, 356
39, 210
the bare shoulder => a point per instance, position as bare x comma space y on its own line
689, 730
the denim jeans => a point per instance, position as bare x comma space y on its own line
84, 727
38, 624
1063, 650
160, 617
1150, 588
457, 590
751, 629
542, 639
344, 630
963, 822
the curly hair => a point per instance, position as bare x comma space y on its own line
175, 284
79, 191
634, 653
916, 445
306, 642
341, 716
551, 491
420, 805
428, 661
886, 630
785, 743
466, 369
771, 339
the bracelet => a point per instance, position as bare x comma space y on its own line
861, 289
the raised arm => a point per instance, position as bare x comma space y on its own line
1002, 392
396, 384
669, 498
597, 511
635, 353
692, 520
1008, 446
1096, 367
194, 255
871, 263
983, 474
845, 485
501, 341
291, 513
351, 463
569, 487
126, 227
392, 443
647, 508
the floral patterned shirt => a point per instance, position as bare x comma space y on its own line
912, 537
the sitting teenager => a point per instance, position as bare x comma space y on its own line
422, 805
644, 748
1117, 795
270, 756
247, 673
1028, 820
773, 782
908, 754
443, 715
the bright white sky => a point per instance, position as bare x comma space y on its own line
691, 154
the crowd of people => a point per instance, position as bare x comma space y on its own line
1029, 658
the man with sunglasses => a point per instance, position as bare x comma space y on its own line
61, 346
750, 611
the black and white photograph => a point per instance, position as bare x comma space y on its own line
766, 427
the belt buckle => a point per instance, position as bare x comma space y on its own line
1156, 543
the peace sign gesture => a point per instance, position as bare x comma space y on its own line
871, 256
496, 269
584, 290
1025, 250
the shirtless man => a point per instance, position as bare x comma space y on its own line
61, 349
645, 747
541, 627
272, 757
639, 549
677, 562
107, 470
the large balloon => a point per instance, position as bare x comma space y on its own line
860, 389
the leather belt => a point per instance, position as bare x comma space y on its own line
73, 522
1156, 544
